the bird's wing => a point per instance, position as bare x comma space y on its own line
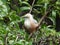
35, 21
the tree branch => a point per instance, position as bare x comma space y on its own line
32, 6
43, 17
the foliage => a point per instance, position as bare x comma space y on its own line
12, 34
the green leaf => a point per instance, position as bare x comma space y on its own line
54, 14
24, 8
1, 42
25, 3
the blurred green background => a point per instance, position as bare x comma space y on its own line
11, 32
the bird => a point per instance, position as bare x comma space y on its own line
30, 24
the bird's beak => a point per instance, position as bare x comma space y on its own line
24, 16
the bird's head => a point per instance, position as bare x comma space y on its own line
28, 16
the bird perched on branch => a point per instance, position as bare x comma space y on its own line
30, 24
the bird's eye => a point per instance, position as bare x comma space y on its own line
26, 17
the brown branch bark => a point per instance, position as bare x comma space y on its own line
48, 10
32, 6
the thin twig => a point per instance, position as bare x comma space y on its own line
48, 10
43, 17
6, 39
16, 38
30, 36
32, 6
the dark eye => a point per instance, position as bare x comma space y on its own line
26, 17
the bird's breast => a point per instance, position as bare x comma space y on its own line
27, 24
30, 25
